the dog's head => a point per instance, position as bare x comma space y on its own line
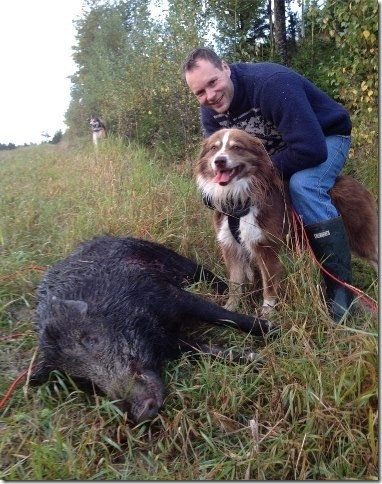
234, 165
93, 121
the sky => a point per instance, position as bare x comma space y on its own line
36, 39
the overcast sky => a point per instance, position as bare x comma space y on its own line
36, 39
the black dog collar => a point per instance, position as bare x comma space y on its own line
234, 212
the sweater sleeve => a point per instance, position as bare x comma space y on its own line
283, 100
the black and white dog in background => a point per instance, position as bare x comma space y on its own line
98, 128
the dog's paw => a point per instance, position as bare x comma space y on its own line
231, 305
268, 307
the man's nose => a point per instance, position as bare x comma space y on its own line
210, 94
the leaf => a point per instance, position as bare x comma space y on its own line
366, 34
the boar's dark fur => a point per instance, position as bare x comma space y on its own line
111, 314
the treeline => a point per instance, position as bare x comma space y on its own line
129, 60
55, 139
9, 146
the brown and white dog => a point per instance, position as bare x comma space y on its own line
252, 212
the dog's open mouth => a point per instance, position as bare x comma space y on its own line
224, 177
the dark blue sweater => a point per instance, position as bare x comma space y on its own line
286, 111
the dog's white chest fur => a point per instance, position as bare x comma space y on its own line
249, 230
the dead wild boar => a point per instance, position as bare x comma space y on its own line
111, 314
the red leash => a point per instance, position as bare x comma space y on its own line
20, 377
365, 298
29, 268
13, 386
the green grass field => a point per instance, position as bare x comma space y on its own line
309, 411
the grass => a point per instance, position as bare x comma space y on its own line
308, 411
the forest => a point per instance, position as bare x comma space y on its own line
129, 55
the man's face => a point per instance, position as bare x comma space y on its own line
213, 87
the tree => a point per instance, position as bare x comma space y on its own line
57, 137
242, 28
280, 31
9, 146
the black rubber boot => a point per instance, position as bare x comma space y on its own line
330, 245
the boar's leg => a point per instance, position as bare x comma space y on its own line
194, 307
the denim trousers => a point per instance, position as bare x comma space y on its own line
309, 188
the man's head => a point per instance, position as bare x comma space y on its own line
209, 78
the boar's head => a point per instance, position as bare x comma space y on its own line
121, 356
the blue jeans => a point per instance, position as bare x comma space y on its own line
309, 188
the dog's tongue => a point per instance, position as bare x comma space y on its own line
222, 177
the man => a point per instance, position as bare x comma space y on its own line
306, 134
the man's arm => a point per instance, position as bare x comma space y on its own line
284, 102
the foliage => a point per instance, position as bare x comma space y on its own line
241, 27
57, 137
130, 72
129, 63
311, 54
353, 69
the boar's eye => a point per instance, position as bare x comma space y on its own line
90, 341
51, 333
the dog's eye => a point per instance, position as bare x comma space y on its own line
236, 148
213, 148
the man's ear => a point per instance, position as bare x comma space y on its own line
226, 67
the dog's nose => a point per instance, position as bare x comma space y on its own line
221, 161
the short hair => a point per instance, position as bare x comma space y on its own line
201, 53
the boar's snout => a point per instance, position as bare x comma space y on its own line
141, 410
145, 398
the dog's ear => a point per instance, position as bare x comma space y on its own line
257, 146
205, 147
203, 151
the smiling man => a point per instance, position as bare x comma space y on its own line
306, 134
212, 85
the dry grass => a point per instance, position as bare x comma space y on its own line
309, 411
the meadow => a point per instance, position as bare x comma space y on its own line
309, 411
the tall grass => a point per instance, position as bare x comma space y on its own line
308, 411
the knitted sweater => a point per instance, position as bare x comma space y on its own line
285, 110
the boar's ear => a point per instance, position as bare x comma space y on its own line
40, 374
80, 307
